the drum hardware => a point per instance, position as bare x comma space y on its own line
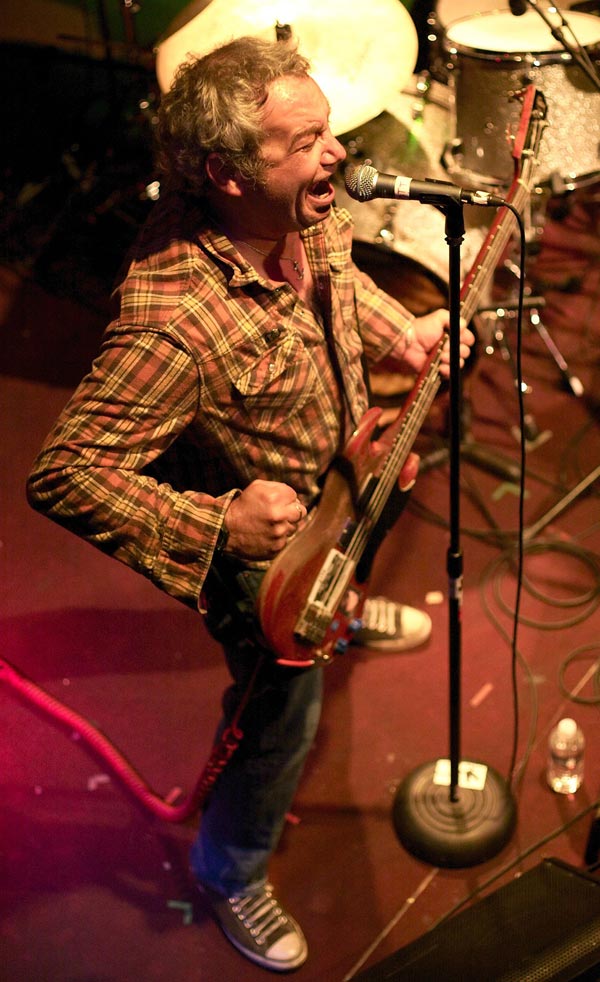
494, 316
400, 244
494, 321
503, 310
499, 314
453, 157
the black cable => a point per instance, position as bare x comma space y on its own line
521, 503
591, 598
517, 771
495, 536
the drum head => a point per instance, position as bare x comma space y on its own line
503, 33
449, 11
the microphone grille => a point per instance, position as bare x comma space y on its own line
360, 182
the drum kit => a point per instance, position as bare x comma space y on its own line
452, 120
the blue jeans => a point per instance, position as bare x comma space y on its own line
245, 812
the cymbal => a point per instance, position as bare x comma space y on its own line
358, 58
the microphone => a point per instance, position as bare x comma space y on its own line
365, 183
518, 7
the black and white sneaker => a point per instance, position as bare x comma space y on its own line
390, 626
260, 928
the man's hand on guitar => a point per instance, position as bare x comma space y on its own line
261, 520
427, 332
409, 473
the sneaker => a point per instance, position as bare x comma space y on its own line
388, 626
260, 928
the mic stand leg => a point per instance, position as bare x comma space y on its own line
454, 813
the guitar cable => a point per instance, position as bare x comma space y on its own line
164, 808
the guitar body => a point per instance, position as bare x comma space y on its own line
317, 556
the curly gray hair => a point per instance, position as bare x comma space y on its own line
215, 105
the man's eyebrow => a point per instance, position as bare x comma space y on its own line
309, 129
304, 132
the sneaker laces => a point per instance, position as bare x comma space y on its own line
260, 914
379, 614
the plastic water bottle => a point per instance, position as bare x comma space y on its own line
566, 745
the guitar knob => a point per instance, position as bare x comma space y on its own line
355, 625
341, 646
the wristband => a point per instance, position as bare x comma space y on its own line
222, 540
223, 536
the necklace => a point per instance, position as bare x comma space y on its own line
298, 269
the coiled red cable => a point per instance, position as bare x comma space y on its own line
162, 808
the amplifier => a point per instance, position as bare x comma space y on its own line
544, 926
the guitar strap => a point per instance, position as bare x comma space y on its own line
363, 358
327, 312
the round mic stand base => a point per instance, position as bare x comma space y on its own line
450, 833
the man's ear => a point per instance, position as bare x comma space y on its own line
224, 177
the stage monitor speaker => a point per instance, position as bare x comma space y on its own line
544, 926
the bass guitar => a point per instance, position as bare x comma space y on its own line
312, 595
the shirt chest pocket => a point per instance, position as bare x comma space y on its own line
280, 379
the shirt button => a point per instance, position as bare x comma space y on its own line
271, 336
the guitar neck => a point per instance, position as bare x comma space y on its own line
402, 433
490, 253
504, 223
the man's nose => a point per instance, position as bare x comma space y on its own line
335, 149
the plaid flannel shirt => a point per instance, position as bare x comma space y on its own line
208, 378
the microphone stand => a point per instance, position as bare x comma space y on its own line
462, 814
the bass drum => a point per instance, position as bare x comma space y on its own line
402, 244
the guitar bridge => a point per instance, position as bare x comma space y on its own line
325, 597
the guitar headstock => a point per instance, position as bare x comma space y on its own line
532, 122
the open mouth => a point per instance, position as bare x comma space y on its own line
322, 190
